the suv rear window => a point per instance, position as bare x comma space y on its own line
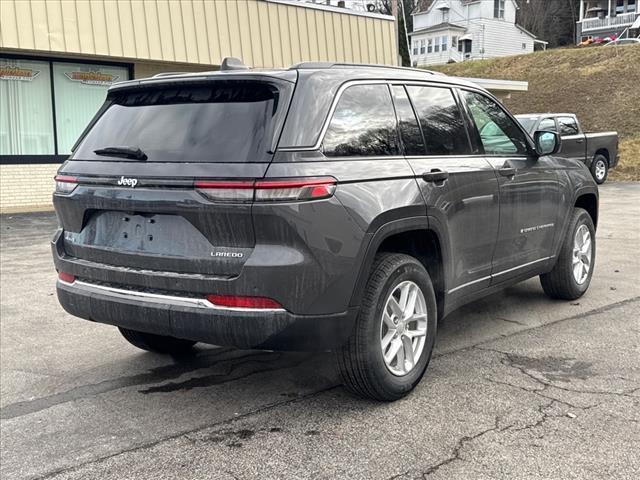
221, 121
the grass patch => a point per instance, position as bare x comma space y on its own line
598, 84
629, 165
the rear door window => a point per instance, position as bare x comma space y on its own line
410, 132
568, 126
363, 124
441, 120
220, 121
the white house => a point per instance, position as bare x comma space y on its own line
608, 18
455, 30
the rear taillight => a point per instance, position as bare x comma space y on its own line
65, 184
235, 301
295, 189
288, 189
226, 191
66, 277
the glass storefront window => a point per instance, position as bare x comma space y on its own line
80, 90
26, 117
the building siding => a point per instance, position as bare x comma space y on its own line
262, 33
501, 39
26, 188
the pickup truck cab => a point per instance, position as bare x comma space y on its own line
322, 207
599, 151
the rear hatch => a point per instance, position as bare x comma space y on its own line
162, 178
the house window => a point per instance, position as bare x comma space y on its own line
498, 8
436, 44
415, 47
422, 47
631, 6
444, 43
524, 46
619, 7
429, 45
454, 42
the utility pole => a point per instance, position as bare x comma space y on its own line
394, 12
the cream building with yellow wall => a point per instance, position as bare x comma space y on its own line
58, 57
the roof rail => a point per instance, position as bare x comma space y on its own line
319, 65
167, 74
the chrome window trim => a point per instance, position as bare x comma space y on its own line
488, 277
334, 104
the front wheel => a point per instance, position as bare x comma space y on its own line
600, 169
571, 276
157, 343
393, 337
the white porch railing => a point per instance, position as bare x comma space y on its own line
623, 19
455, 55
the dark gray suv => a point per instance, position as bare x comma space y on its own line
323, 207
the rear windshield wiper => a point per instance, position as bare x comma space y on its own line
126, 152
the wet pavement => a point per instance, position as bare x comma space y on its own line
520, 386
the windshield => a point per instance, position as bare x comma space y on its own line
222, 121
527, 122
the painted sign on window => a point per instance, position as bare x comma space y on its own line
10, 72
92, 77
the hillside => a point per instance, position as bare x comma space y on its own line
600, 84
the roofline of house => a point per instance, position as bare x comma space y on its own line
474, 1
527, 32
440, 28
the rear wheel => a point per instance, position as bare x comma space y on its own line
391, 345
600, 168
571, 276
156, 343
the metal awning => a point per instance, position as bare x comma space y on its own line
466, 36
502, 88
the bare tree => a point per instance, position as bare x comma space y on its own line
551, 20
384, 6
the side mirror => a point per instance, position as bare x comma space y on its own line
547, 142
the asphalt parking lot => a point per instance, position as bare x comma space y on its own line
520, 387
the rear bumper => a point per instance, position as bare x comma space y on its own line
614, 161
200, 321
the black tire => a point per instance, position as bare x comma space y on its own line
360, 361
157, 343
599, 162
560, 282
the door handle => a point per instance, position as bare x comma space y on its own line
507, 171
435, 175
580, 140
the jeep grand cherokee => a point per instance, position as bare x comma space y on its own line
322, 207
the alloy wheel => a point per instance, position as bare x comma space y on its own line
403, 328
582, 249
601, 170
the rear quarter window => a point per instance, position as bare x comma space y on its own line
568, 126
363, 124
221, 121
